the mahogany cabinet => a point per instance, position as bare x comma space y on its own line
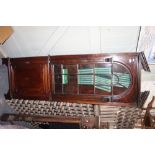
29, 78
110, 79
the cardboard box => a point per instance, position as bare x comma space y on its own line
5, 33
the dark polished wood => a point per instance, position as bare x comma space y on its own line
63, 78
120, 62
29, 78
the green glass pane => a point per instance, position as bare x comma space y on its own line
85, 79
103, 78
64, 76
64, 71
105, 70
121, 80
104, 88
85, 71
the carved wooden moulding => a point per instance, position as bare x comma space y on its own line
107, 79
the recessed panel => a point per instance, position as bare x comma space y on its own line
28, 78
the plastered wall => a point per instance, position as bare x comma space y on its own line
60, 40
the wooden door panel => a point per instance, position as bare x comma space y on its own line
97, 78
30, 80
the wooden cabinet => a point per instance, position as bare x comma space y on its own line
111, 79
108, 79
29, 78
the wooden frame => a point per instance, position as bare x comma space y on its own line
23, 71
133, 62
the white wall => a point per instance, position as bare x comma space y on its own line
119, 38
27, 41
54, 40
